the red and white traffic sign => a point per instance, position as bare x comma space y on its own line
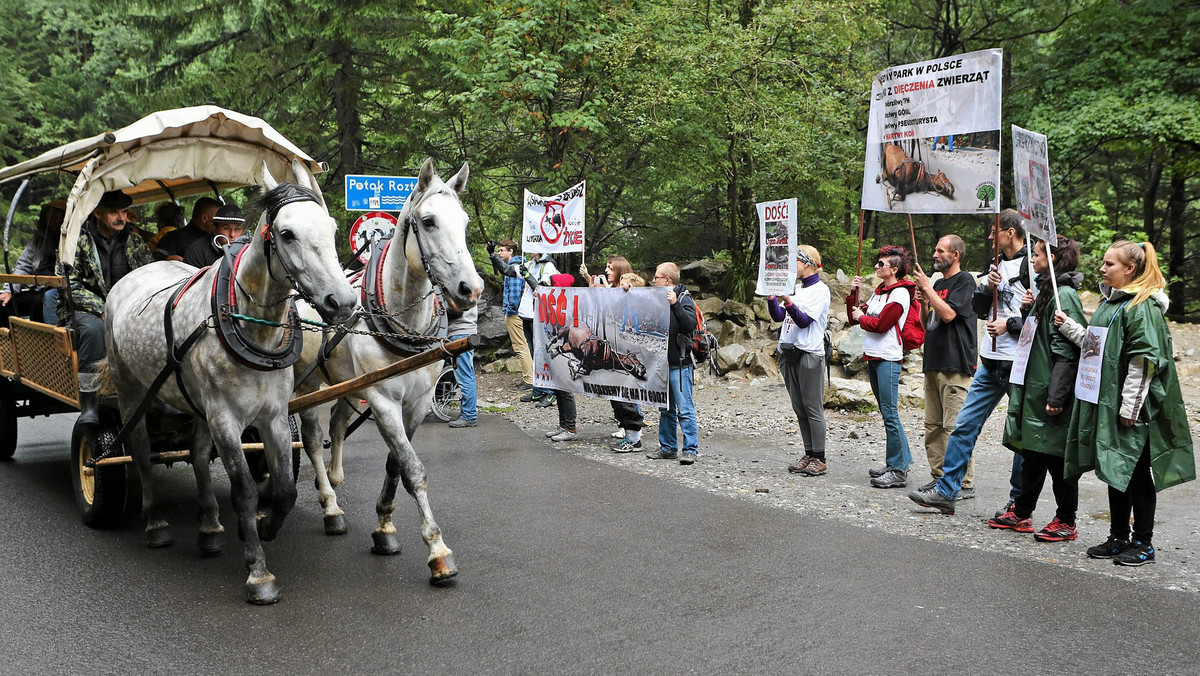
370, 224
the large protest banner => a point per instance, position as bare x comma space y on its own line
607, 343
777, 247
1031, 176
554, 224
933, 137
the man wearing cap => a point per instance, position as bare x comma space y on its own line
229, 223
107, 250
36, 259
175, 243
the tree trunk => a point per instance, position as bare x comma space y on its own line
1150, 199
346, 93
1177, 288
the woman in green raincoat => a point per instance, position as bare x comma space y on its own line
1039, 410
1129, 422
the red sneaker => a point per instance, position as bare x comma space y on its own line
1056, 531
1009, 521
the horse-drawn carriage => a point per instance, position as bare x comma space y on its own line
237, 360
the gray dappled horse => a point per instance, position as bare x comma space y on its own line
293, 247
429, 247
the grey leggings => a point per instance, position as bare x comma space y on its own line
804, 376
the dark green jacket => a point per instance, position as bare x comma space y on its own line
89, 285
1053, 359
1097, 439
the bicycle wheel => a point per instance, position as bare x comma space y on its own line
447, 397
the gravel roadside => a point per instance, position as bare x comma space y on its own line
748, 437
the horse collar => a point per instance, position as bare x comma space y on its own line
394, 335
245, 351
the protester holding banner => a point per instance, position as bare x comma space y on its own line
566, 430
801, 356
616, 267
530, 275
990, 383
950, 352
502, 258
883, 317
680, 411
1040, 402
1136, 436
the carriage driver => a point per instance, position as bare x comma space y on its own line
107, 250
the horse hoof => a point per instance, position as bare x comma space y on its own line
210, 544
442, 570
157, 538
335, 524
386, 544
262, 593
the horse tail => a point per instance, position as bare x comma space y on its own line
105, 379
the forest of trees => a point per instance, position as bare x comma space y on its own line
680, 114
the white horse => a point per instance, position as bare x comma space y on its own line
235, 380
429, 247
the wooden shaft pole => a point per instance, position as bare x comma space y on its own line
180, 456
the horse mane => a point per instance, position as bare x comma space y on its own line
278, 197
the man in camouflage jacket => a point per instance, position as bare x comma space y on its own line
107, 251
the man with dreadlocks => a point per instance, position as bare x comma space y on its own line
107, 251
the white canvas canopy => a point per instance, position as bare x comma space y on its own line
172, 153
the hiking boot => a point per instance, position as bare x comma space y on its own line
660, 455
545, 401
1010, 521
966, 493
930, 497
564, 435
688, 458
627, 445
1136, 554
1108, 549
893, 478
462, 422
798, 466
1056, 531
816, 467
877, 472
1007, 508
927, 487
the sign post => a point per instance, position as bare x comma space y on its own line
378, 193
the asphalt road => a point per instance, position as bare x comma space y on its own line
568, 566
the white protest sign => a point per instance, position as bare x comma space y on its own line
777, 248
1024, 344
952, 103
554, 224
1031, 176
1091, 362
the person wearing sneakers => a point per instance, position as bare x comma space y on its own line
801, 356
990, 382
680, 413
461, 325
950, 352
1040, 404
506, 263
566, 430
882, 317
1129, 424
629, 416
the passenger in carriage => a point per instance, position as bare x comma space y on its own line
174, 244
168, 217
37, 259
230, 223
107, 250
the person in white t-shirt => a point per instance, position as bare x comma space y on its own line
801, 356
883, 317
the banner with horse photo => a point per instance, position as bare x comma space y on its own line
933, 137
1031, 176
777, 248
607, 343
554, 224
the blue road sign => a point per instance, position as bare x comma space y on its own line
378, 193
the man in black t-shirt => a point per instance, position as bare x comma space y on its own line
175, 243
950, 352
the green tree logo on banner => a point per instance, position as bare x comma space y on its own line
986, 193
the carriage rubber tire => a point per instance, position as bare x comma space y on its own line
99, 492
445, 394
8, 426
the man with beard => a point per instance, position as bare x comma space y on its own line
950, 352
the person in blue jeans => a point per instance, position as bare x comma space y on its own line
680, 410
461, 326
1009, 281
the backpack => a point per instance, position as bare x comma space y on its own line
912, 334
703, 345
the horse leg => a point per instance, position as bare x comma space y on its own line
310, 433
158, 531
277, 446
404, 465
209, 541
339, 421
261, 588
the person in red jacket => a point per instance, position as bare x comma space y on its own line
882, 317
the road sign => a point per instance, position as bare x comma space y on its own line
368, 225
371, 193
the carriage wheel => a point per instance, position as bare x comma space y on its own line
99, 491
447, 397
8, 426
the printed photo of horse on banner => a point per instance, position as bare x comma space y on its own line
608, 343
